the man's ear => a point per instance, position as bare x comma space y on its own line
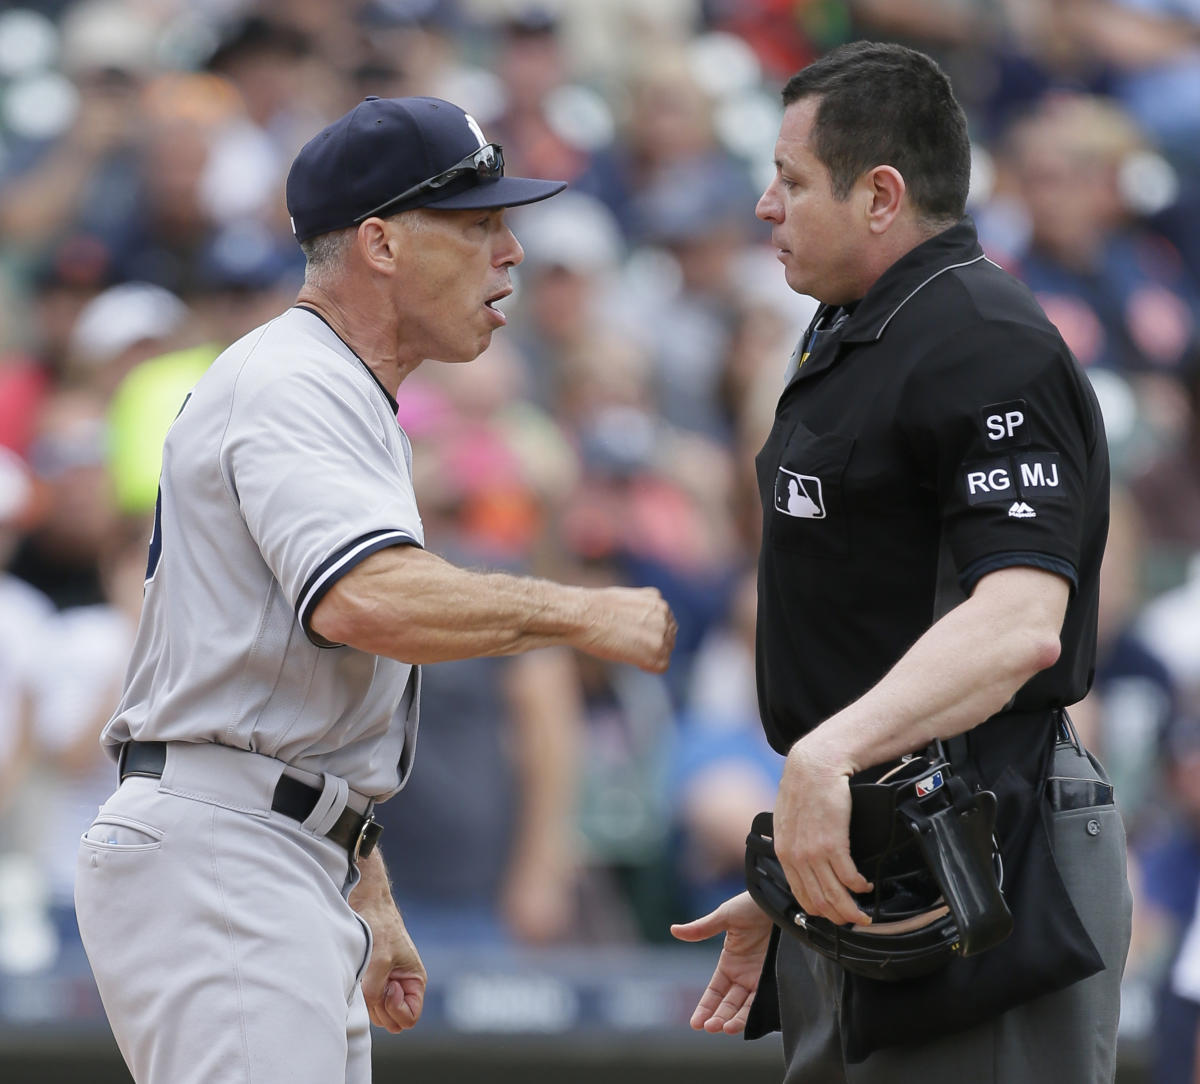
885, 191
378, 245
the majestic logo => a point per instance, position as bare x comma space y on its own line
1020, 510
798, 495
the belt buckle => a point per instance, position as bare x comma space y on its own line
363, 846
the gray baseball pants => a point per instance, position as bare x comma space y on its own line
218, 931
1068, 1037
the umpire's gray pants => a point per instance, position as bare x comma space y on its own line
219, 933
1068, 1037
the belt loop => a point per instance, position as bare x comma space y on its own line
334, 792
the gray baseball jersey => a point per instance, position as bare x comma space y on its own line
284, 469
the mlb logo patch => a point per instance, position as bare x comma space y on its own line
798, 495
929, 784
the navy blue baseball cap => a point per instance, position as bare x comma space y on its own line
393, 154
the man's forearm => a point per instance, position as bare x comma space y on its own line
964, 669
411, 605
374, 887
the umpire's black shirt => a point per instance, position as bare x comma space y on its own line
939, 431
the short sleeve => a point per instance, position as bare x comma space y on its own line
322, 477
1004, 427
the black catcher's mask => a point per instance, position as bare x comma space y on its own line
925, 840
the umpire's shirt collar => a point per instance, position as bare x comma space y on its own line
899, 284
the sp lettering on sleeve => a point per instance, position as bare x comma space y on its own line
1005, 425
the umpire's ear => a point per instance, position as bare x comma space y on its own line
882, 191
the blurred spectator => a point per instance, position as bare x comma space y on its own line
23, 387
1133, 697
484, 834
628, 737
1152, 50
417, 47
1120, 295
60, 554
246, 275
692, 205
178, 197
1170, 623
26, 941
679, 171
23, 612
141, 411
268, 61
565, 285
500, 865
502, 463
549, 125
118, 329
1168, 488
1153, 46
785, 35
1170, 879
72, 704
80, 180
723, 772
654, 503
58, 285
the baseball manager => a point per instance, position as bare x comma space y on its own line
234, 908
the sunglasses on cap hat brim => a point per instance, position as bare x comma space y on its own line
491, 187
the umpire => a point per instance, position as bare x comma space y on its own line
236, 914
935, 503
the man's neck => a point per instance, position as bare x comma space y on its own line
367, 338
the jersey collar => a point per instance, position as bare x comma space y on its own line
908, 276
390, 398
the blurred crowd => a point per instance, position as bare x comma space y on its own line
609, 432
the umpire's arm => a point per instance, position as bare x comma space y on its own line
964, 669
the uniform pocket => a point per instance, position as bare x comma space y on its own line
808, 493
370, 946
112, 832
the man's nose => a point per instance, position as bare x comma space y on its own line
509, 252
769, 207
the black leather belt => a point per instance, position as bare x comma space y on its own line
292, 798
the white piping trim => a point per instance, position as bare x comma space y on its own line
382, 536
965, 263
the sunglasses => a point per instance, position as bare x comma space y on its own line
487, 163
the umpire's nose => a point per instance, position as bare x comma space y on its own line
770, 206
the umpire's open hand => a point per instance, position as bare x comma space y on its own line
812, 834
725, 1004
629, 624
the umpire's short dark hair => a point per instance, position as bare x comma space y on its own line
884, 104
